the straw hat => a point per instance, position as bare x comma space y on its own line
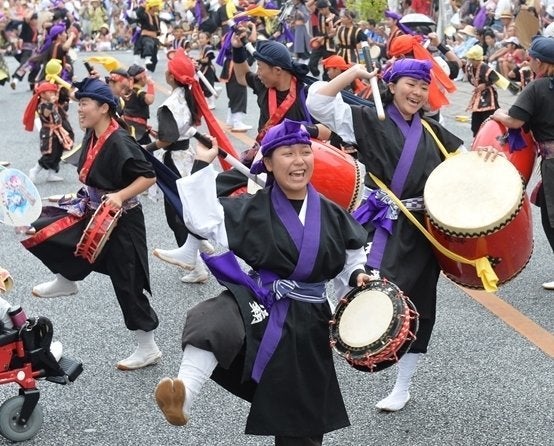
507, 15
468, 31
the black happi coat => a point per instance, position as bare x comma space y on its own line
124, 257
408, 260
298, 394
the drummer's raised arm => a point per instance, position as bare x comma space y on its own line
240, 55
343, 80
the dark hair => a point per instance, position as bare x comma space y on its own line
371, 22
194, 110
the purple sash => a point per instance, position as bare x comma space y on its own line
412, 135
306, 238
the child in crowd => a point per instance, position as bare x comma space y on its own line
56, 134
207, 55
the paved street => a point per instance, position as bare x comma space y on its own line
482, 383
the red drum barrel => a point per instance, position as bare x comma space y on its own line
373, 326
479, 208
495, 134
337, 176
97, 232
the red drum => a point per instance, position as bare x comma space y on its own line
373, 326
337, 176
479, 208
495, 134
97, 232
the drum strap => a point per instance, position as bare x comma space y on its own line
438, 142
482, 265
412, 135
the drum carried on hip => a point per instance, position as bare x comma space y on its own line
478, 208
97, 232
373, 326
495, 134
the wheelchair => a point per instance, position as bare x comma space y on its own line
25, 358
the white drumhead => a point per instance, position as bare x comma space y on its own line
468, 195
366, 318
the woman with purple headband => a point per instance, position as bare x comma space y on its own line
266, 337
402, 153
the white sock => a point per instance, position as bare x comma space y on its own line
145, 341
400, 393
196, 368
63, 281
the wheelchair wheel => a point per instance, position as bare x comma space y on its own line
9, 413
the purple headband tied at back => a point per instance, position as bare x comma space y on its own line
287, 133
416, 69
395, 16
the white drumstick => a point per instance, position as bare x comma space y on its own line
206, 82
373, 82
230, 159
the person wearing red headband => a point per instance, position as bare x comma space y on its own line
177, 117
56, 134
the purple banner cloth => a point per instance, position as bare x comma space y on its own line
412, 134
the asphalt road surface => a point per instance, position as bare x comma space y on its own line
482, 382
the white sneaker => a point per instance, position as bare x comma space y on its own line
176, 257
58, 287
56, 348
140, 359
211, 102
34, 172
197, 275
240, 127
207, 247
548, 285
53, 178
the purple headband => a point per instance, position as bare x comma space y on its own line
287, 133
395, 16
416, 69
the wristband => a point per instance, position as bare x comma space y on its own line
239, 55
150, 88
443, 49
312, 130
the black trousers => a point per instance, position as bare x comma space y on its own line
174, 220
236, 94
548, 230
316, 55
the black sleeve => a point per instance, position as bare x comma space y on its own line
134, 168
493, 77
524, 106
252, 81
168, 130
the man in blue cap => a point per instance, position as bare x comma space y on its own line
534, 108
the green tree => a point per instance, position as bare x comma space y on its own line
368, 9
